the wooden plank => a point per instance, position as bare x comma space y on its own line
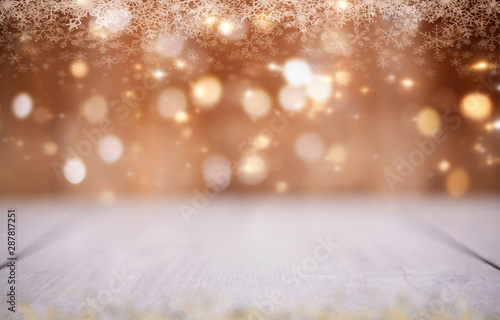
228, 258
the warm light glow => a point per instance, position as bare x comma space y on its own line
281, 186
263, 22
181, 117
482, 65
476, 106
407, 83
159, 74
256, 103
252, 170
50, 148
272, 66
207, 91
226, 28
261, 141
337, 154
79, 68
342, 78
211, 20
297, 72
457, 182
180, 64
22, 105
342, 5
428, 122
444, 166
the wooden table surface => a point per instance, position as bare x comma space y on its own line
256, 258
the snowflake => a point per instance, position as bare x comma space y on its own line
390, 79
437, 40
430, 73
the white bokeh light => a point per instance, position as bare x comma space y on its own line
74, 170
256, 103
171, 101
309, 146
110, 149
320, 88
22, 105
297, 72
292, 98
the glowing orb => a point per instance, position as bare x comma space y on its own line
481, 65
457, 182
22, 105
407, 83
226, 27
337, 154
79, 68
252, 170
94, 109
217, 172
444, 166
263, 22
476, 106
428, 122
110, 149
281, 186
181, 116
309, 146
297, 72
256, 103
261, 141
207, 92
50, 148
74, 170
292, 98
320, 88
170, 102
